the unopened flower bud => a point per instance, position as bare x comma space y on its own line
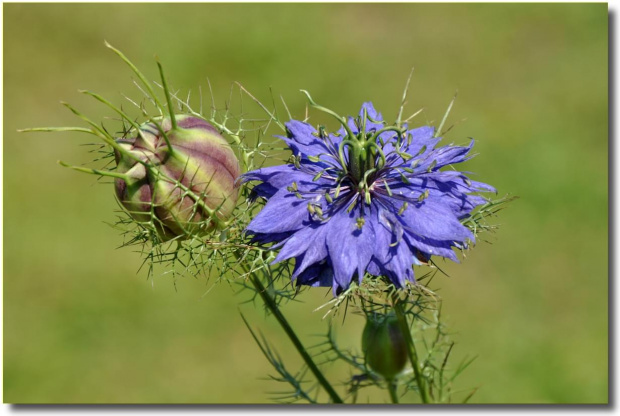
384, 345
185, 184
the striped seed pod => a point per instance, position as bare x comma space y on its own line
180, 174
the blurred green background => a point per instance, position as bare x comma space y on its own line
80, 325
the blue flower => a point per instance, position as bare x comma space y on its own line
369, 198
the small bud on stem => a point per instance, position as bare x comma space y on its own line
384, 346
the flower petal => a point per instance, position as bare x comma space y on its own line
434, 219
309, 242
447, 155
302, 140
371, 114
350, 248
317, 275
283, 212
400, 264
432, 247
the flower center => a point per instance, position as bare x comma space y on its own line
366, 159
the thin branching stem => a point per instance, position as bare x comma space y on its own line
275, 310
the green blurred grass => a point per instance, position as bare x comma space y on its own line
81, 326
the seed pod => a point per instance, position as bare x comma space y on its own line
186, 187
384, 346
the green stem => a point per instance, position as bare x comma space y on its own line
273, 307
411, 351
392, 390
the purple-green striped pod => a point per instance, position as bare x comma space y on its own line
187, 185
384, 345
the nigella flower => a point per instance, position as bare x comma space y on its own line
370, 198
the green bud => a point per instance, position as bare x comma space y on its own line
384, 346
187, 181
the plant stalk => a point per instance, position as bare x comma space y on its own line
411, 351
275, 310
392, 390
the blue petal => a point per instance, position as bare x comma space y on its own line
283, 176
310, 242
400, 264
370, 111
392, 256
422, 136
435, 220
443, 176
447, 155
463, 206
274, 178
302, 141
301, 132
432, 247
317, 275
350, 248
372, 114
374, 267
267, 238
283, 212
479, 186
263, 190
385, 234
277, 176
